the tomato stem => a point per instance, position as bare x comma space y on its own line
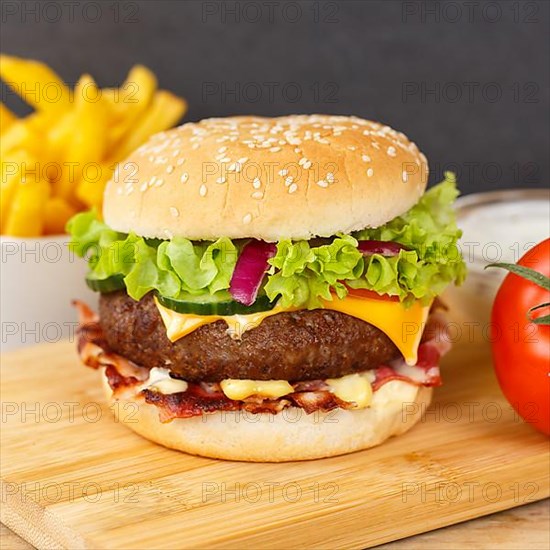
534, 277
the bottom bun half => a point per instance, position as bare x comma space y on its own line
287, 436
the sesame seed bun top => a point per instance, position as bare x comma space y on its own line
293, 177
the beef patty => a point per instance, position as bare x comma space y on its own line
298, 345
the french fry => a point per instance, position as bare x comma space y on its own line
166, 109
129, 101
7, 118
88, 141
57, 213
26, 215
28, 134
16, 136
133, 97
90, 190
11, 173
35, 83
59, 134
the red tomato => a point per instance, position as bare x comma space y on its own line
521, 349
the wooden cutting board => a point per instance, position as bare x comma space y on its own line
72, 477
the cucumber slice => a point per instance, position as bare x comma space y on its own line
111, 284
214, 305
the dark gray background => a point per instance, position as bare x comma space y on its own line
487, 64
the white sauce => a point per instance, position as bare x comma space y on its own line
503, 231
499, 229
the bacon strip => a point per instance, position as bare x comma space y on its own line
126, 378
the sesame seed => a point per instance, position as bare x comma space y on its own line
256, 183
221, 180
370, 172
222, 149
322, 183
293, 188
158, 183
391, 151
169, 169
232, 167
365, 158
195, 146
176, 153
184, 177
307, 165
375, 145
257, 195
330, 177
225, 159
405, 176
283, 172
143, 186
180, 161
174, 211
274, 149
247, 218
297, 150
242, 160
202, 190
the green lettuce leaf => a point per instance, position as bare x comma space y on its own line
198, 266
301, 274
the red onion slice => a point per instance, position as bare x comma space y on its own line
250, 270
385, 248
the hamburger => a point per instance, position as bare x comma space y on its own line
269, 286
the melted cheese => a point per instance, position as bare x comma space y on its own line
353, 388
403, 326
179, 325
241, 389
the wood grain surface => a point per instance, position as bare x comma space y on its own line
526, 527
72, 477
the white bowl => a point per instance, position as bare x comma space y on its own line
499, 226
40, 277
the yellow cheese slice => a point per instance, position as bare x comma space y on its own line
404, 326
